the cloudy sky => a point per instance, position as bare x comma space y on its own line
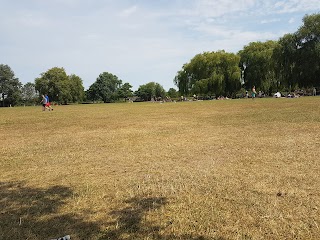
138, 40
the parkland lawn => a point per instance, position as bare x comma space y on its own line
231, 169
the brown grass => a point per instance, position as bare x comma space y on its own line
237, 169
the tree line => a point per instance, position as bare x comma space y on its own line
63, 89
291, 63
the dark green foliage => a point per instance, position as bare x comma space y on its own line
125, 91
59, 86
150, 91
297, 57
210, 73
10, 87
172, 93
257, 63
29, 94
105, 88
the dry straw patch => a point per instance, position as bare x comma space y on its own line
237, 169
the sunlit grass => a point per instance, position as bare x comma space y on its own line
234, 169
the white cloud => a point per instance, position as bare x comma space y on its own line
291, 6
128, 12
292, 20
273, 20
216, 8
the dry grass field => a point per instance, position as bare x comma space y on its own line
233, 169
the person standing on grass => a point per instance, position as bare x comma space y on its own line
48, 105
44, 103
253, 92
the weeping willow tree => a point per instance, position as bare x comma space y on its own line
297, 56
210, 73
257, 57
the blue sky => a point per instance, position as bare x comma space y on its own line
138, 40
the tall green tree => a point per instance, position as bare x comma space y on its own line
93, 93
259, 65
308, 52
125, 91
106, 88
297, 55
10, 87
29, 94
284, 58
201, 87
172, 93
210, 73
76, 87
183, 81
59, 86
149, 91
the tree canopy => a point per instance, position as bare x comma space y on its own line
172, 93
297, 56
59, 86
29, 94
125, 91
150, 91
210, 73
10, 86
257, 64
105, 88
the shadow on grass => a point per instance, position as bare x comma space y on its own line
33, 213
131, 222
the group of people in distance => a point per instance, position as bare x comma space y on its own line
46, 103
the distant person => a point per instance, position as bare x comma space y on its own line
253, 92
314, 91
260, 94
44, 103
195, 98
48, 104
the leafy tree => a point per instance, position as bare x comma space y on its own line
125, 91
29, 94
259, 71
105, 88
210, 73
182, 81
59, 86
150, 90
284, 58
144, 93
297, 55
93, 93
10, 86
308, 51
201, 87
230, 73
159, 91
173, 93
76, 87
